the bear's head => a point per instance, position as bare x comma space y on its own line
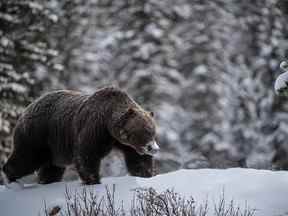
136, 128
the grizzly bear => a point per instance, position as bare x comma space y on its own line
68, 127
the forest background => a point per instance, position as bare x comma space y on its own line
205, 68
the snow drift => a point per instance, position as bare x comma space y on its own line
264, 190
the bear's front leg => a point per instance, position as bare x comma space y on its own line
138, 165
88, 169
91, 147
87, 161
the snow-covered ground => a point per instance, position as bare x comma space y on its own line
264, 190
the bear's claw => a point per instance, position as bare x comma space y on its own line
11, 185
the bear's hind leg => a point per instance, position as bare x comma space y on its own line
49, 173
23, 162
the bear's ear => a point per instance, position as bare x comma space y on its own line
130, 111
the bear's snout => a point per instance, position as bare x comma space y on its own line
151, 148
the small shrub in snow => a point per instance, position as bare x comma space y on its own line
146, 202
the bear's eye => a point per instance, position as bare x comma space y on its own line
124, 135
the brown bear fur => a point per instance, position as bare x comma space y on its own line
68, 127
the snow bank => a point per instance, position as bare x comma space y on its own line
264, 190
281, 83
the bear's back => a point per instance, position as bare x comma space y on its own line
51, 103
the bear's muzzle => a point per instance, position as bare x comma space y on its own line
151, 148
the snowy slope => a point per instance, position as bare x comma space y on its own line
264, 190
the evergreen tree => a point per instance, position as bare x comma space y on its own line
25, 56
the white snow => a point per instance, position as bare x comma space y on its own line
261, 189
281, 82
